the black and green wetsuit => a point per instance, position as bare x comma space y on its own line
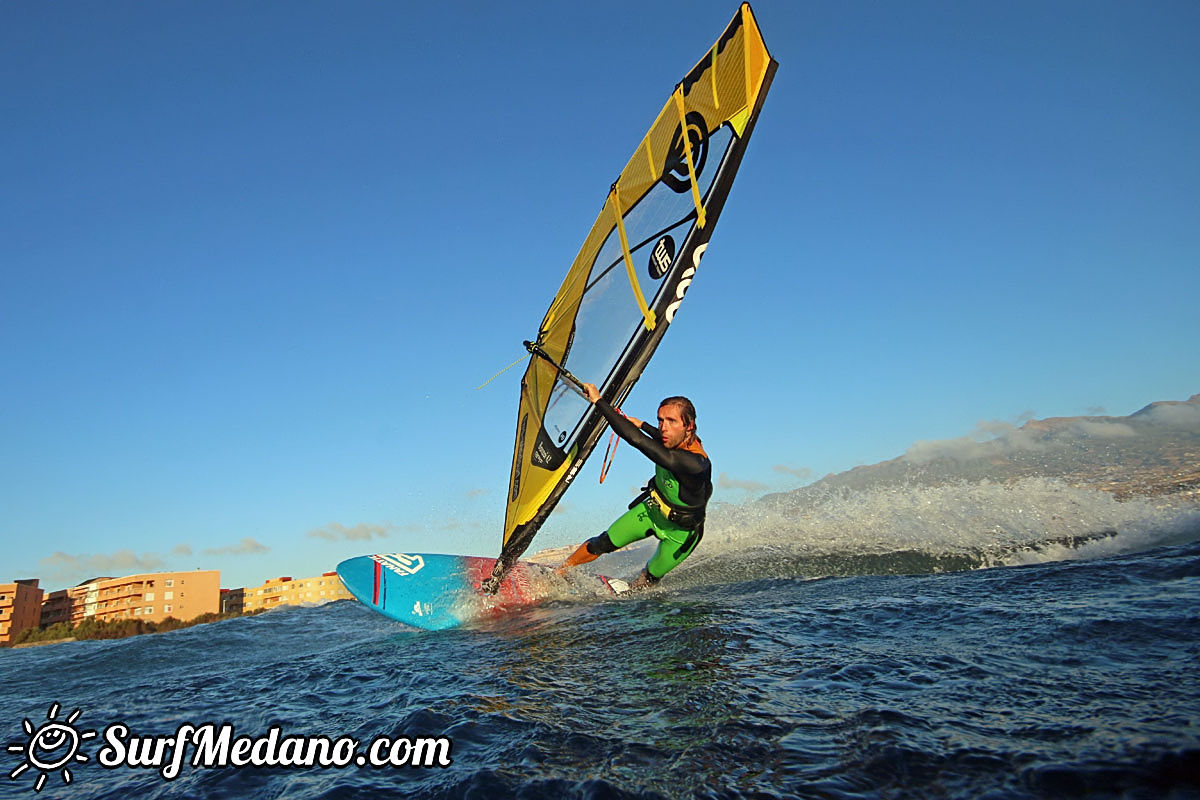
671, 509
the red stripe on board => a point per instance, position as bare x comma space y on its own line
514, 589
378, 576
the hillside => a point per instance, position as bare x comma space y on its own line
1154, 451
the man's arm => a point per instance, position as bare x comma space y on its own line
679, 462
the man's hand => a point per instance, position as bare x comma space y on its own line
591, 392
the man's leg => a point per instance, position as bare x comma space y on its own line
631, 526
667, 556
588, 551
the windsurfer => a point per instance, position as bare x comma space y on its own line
671, 506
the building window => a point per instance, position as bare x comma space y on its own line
166, 609
170, 581
168, 595
149, 595
149, 610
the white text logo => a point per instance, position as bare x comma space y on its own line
685, 280
54, 746
401, 563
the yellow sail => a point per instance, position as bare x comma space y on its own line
630, 275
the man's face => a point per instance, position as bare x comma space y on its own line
670, 422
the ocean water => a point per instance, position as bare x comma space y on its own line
971, 641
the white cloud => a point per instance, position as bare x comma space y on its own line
993, 437
66, 567
989, 437
726, 482
1102, 430
803, 473
362, 532
247, 546
1176, 415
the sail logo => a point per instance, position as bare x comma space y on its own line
662, 257
675, 172
541, 456
685, 280
401, 563
516, 481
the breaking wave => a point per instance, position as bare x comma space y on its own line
930, 529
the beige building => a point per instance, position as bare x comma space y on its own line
20, 608
151, 597
294, 592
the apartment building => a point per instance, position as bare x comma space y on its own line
151, 597
318, 589
233, 601
20, 608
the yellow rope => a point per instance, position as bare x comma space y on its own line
501, 372
647, 314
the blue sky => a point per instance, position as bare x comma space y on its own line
256, 257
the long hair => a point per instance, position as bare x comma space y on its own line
687, 412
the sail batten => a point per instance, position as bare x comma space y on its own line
656, 221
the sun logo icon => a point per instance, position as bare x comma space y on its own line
52, 746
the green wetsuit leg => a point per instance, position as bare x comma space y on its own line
631, 526
670, 555
674, 545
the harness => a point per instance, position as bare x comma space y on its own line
690, 518
687, 517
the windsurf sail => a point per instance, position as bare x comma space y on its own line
629, 278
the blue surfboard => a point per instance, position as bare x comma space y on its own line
435, 591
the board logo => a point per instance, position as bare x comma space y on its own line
662, 257
401, 563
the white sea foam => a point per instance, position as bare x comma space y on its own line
938, 528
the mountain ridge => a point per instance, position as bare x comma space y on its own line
1153, 451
